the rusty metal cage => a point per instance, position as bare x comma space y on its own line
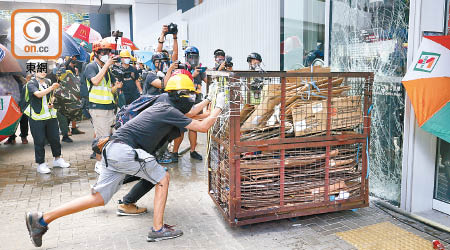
289, 144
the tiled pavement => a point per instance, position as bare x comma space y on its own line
189, 207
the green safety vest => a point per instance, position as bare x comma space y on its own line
102, 93
45, 113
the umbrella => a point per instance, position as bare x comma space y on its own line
122, 43
145, 57
70, 48
427, 83
9, 87
9, 116
83, 32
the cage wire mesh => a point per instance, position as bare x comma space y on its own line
268, 109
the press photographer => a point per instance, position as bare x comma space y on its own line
154, 81
222, 61
101, 87
129, 76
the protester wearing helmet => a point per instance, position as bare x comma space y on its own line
192, 57
43, 118
131, 85
127, 206
130, 152
154, 82
101, 86
254, 61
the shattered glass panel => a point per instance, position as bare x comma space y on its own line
371, 35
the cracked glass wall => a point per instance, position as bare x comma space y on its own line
371, 35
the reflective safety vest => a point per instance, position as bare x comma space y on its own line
45, 113
102, 93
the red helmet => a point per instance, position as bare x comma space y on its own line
183, 72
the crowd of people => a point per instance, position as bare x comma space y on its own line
110, 81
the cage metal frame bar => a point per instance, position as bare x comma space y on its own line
236, 216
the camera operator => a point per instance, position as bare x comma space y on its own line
173, 30
254, 61
222, 62
131, 85
154, 81
101, 87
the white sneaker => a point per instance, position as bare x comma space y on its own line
43, 168
98, 167
60, 163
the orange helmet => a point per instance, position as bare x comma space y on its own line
102, 44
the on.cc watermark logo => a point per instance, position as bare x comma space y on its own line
36, 33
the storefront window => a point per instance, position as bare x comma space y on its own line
372, 35
303, 33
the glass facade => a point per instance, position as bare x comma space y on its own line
442, 179
372, 35
303, 33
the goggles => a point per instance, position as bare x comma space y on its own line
191, 95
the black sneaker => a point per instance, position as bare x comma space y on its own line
196, 156
67, 139
93, 155
35, 229
76, 131
174, 157
165, 233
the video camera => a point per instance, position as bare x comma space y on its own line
172, 28
116, 34
117, 72
181, 65
228, 61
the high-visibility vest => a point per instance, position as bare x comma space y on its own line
45, 113
102, 93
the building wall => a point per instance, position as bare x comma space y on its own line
256, 29
419, 147
145, 14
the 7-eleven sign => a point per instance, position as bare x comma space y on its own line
427, 61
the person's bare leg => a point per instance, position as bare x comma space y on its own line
177, 142
75, 206
193, 139
161, 190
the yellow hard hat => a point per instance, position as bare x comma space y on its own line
133, 59
125, 53
180, 82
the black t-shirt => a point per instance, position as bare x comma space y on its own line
36, 102
129, 80
91, 71
160, 122
149, 89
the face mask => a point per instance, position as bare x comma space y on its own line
256, 67
104, 58
183, 104
160, 74
127, 60
165, 67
